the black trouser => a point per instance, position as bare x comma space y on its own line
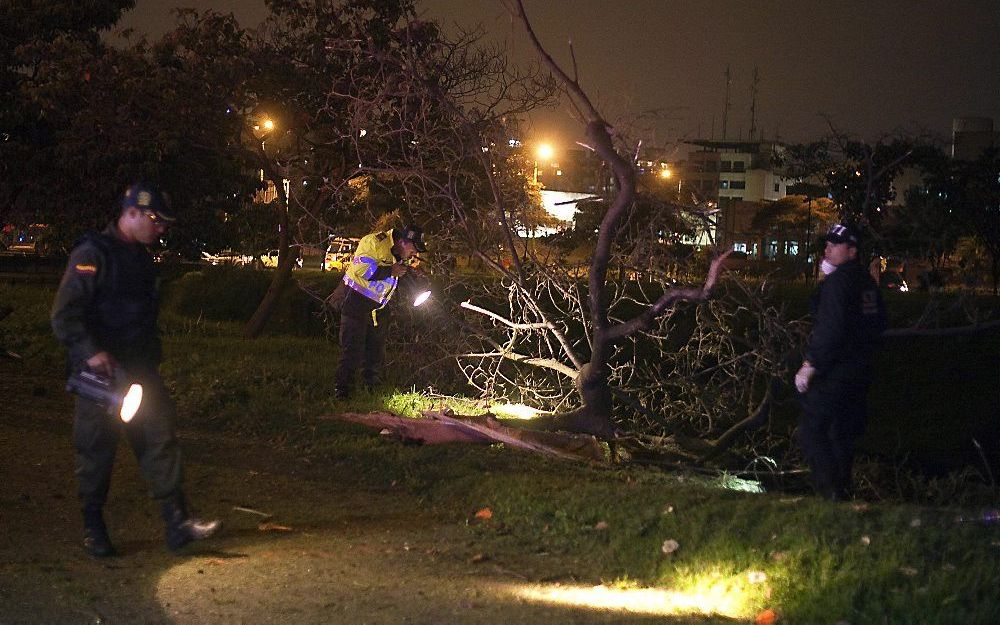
834, 415
150, 433
361, 346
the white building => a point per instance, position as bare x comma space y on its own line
729, 174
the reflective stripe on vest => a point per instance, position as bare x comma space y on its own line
380, 291
366, 260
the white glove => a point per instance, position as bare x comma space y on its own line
804, 376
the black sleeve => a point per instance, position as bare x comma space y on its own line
383, 272
74, 299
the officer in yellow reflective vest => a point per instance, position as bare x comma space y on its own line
378, 263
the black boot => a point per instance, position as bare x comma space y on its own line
96, 542
182, 529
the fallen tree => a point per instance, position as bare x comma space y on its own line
441, 427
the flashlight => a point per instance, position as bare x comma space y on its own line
419, 282
421, 298
107, 392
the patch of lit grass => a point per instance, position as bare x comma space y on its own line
407, 404
712, 599
729, 481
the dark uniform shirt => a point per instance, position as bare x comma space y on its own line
108, 301
849, 318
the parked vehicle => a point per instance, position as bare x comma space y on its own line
227, 257
26, 241
270, 259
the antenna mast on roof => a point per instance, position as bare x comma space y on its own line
753, 102
725, 110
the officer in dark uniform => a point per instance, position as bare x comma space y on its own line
369, 283
105, 313
836, 373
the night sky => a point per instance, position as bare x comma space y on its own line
871, 67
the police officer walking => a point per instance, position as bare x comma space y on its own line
370, 281
849, 317
105, 313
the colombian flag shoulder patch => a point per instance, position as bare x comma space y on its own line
81, 268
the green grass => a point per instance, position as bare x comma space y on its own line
812, 561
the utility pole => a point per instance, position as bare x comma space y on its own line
725, 109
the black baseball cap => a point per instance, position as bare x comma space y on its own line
414, 234
843, 233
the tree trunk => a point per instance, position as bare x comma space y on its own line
286, 260
266, 307
594, 416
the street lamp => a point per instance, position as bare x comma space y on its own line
264, 127
543, 152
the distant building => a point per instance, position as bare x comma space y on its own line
735, 171
726, 180
736, 177
971, 136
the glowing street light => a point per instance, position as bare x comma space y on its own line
264, 125
665, 173
543, 152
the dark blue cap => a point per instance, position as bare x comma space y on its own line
414, 234
149, 197
843, 233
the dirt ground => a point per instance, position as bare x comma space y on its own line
333, 554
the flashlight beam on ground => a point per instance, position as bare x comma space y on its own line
652, 601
